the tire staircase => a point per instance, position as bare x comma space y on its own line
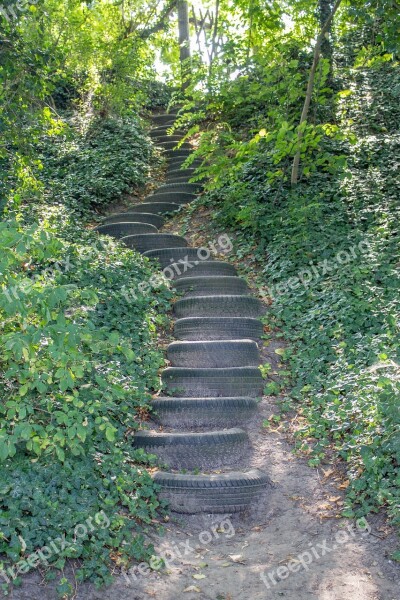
212, 386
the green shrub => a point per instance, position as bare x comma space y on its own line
90, 168
78, 362
340, 315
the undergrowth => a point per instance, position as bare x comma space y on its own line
78, 362
328, 252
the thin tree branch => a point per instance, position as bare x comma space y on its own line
162, 20
310, 85
214, 39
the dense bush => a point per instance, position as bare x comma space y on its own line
78, 359
328, 250
94, 166
77, 364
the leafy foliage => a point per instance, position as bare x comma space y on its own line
93, 167
87, 57
327, 249
78, 361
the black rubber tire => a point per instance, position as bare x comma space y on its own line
155, 220
159, 132
176, 164
218, 328
162, 139
178, 256
203, 412
172, 145
181, 159
215, 354
180, 153
183, 179
164, 119
188, 173
211, 286
152, 241
211, 268
224, 493
228, 382
218, 306
180, 187
195, 450
128, 227
175, 197
158, 208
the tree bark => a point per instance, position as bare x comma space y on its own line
310, 85
214, 39
184, 42
324, 10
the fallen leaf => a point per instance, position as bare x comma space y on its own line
334, 498
327, 473
287, 559
344, 485
192, 588
237, 558
199, 576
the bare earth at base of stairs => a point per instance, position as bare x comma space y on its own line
223, 558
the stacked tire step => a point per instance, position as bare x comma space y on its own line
212, 387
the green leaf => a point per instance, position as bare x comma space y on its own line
60, 454
110, 434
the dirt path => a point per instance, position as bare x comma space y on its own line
224, 558
331, 559
293, 545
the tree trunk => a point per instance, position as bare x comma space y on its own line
310, 85
213, 51
324, 10
184, 42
